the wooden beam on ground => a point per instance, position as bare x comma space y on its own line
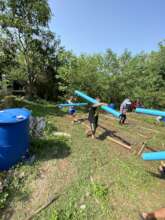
149, 129
142, 135
119, 143
151, 149
141, 149
110, 138
47, 204
147, 147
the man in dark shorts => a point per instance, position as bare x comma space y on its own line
93, 116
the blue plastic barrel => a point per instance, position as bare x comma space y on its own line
112, 105
163, 119
14, 136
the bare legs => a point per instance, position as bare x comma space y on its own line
123, 118
91, 132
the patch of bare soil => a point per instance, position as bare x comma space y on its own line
54, 176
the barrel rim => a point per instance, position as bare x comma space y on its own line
7, 122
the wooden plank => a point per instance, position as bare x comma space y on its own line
110, 138
47, 204
149, 129
141, 149
147, 147
120, 143
152, 149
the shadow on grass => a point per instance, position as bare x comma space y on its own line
159, 176
49, 149
105, 134
7, 214
82, 119
111, 134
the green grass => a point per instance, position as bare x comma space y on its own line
94, 179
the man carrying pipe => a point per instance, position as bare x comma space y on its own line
93, 117
94, 101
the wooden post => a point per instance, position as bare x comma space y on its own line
141, 149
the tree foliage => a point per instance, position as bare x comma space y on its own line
25, 23
114, 78
29, 51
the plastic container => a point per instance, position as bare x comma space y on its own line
112, 105
163, 119
14, 136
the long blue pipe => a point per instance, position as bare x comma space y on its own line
150, 112
72, 104
154, 156
94, 101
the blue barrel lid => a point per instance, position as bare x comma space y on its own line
13, 115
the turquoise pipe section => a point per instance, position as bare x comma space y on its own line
72, 104
94, 101
154, 156
150, 112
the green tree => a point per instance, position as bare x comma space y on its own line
25, 22
8, 59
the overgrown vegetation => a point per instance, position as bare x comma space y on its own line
139, 76
32, 53
94, 179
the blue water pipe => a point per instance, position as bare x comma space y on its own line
72, 104
150, 112
154, 155
94, 101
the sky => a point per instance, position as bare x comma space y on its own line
92, 26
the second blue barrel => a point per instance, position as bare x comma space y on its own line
111, 105
14, 136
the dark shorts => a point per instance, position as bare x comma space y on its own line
72, 112
123, 116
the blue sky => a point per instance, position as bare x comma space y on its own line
91, 26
